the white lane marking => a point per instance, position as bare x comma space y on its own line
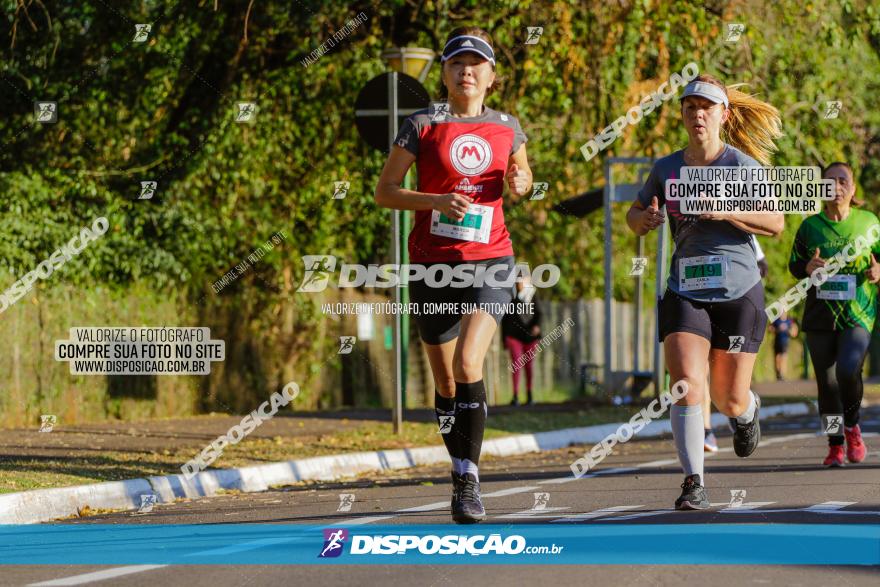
636, 515
98, 575
364, 520
612, 471
829, 505
510, 491
844, 512
749, 505
775, 440
437, 505
557, 480
658, 463
596, 513
533, 513
429, 507
664, 462
617, 470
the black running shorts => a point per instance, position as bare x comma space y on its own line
438, 327
780, 346
733, 325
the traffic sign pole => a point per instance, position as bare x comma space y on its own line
381, 98
397, 415
404, 296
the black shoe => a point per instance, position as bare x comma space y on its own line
469, 508
514, 401
693, 495
457, 484
529, 401
747, 436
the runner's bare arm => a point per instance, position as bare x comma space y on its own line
764, 224
519, 174
642, 220
389, 194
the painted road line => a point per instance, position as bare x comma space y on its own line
98, 575
617, 470
830, 505
437, 505
533, 513
510, 491
596, 513
557, 480
612, 471
637, 515
364, 520
749, 505
429, 507
661, 463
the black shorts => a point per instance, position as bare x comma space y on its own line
438, 328
734, 324
780, 346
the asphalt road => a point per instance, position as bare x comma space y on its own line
782, 483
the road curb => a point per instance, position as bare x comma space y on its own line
42, 505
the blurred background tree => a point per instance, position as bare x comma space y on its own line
164, 110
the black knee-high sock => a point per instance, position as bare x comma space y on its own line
445, 406
851, 353
470, 423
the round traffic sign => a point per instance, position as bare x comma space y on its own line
373, 106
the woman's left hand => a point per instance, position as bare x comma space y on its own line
873, 272
517, 180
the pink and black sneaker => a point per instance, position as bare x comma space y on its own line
835, 456
855, 448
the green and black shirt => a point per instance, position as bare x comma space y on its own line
846, 300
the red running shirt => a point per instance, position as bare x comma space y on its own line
467, 156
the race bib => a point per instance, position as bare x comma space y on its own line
475, 226
706, 272
838, 287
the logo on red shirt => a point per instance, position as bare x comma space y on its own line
470, 154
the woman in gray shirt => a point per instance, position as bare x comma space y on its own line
712, 317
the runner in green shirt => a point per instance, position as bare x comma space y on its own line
839, 313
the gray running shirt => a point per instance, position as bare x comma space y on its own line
732, 269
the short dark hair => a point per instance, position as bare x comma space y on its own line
843, 164
855, 201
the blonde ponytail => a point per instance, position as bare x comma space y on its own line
753, 125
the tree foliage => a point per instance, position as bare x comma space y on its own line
164, 110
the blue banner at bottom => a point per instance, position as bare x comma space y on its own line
541, 544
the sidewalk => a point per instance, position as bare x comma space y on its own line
143, 471
89, 453
81, 454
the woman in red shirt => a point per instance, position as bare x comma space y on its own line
464, 157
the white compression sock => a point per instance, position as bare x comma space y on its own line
687, 430
749, 414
